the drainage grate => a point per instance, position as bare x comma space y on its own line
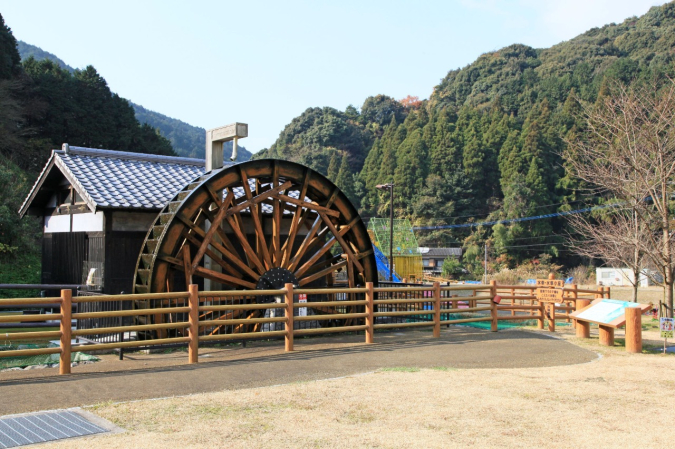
47, 426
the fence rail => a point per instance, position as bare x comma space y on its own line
193, 317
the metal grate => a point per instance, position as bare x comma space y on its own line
42, 427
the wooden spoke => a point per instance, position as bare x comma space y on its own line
212, 230
256, 220
209, 274
220, 277
218, 260
295, 222
244, 243
238, 328
187, 263
322, 273
344, 244
312, 206
229, 255
304, 245
276, 219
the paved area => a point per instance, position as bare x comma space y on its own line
142, 376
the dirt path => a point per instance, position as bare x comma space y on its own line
142, 376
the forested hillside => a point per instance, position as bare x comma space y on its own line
487, 142
43, 105
186, 140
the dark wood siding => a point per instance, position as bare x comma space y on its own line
63, 256
122, 250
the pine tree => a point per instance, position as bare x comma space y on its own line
10, 61
333, 166
411, 171
345, 181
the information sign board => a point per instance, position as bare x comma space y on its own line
550, 294
550, 283
302, 311
607, 312
666, 325
550, 290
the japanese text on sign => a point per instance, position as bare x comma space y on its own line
549, 294
667, 325
302, 311
550, 283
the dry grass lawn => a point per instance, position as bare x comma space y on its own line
618, 400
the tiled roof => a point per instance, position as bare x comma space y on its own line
118, 179
440, 252
124, 180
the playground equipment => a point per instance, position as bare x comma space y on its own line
407, 257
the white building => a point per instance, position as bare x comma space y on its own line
625, 277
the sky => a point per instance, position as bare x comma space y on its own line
211, 63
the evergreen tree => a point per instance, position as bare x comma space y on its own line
333, 166
10, 61
345, 180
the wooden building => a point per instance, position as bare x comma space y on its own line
96, 207
432, 258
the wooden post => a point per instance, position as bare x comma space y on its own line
65, 327
513, 301
607, 294
633, 330
551, 318
493, 311
437, 309
575, 296
606, 335
289, 317
542, 315
193, 320
583, 327
370, 309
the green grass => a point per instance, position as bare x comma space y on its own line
443, 368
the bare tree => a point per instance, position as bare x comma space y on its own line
617, 236
628, 153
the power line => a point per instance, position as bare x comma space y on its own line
513, 220
483, 215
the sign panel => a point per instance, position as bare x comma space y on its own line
550, 283
302, 311
550, 290
608, 312
667, 325
549, 294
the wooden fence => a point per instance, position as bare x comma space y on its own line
365, 309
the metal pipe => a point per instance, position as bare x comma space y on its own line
39, 286
391, 233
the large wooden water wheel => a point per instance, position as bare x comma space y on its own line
256, 225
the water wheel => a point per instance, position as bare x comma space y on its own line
256, 225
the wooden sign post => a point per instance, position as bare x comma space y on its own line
550, 291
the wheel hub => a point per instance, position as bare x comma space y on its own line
274, 279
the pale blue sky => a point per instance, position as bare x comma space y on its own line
210, 63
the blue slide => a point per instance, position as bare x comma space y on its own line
383, 265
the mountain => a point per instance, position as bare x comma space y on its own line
27, 50
186, 140
486, 144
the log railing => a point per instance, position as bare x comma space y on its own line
361, 309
